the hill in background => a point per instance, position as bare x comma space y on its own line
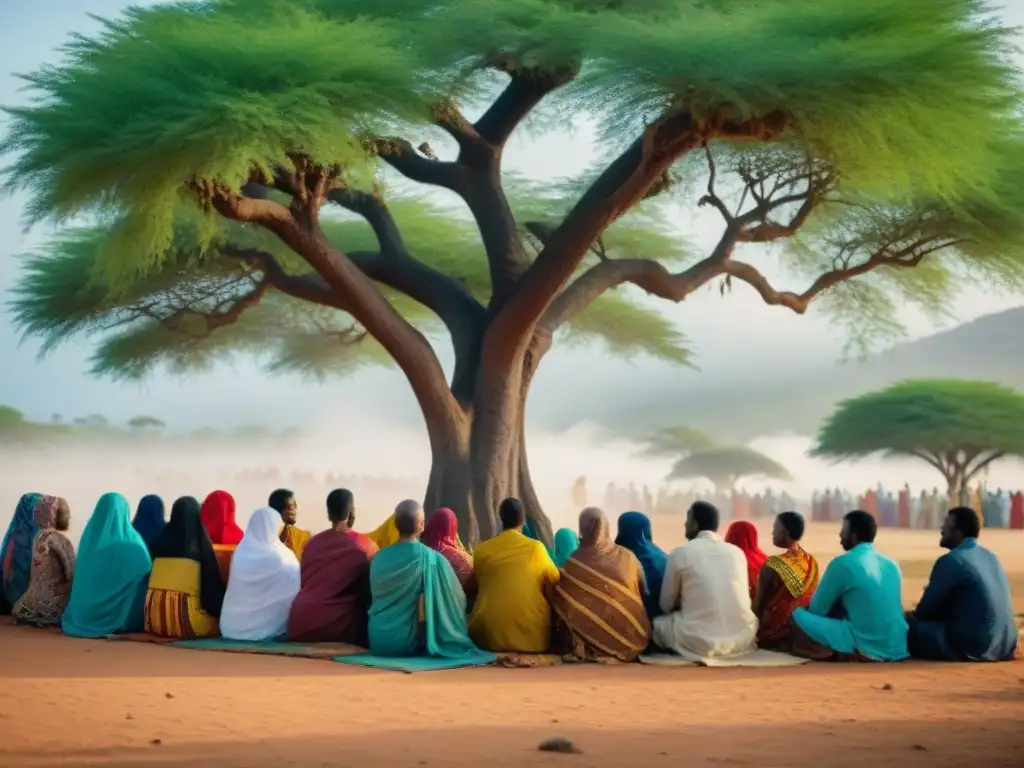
791, 399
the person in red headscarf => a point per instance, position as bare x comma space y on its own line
218, 516
743, 534
441, 534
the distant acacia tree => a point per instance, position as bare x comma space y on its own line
698, 455
884, 134
958, 427
146, 423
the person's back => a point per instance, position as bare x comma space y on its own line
705, 596
396, 588
873, 602
979, 613
334, 594
512, 572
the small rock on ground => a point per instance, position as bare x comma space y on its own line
559, 744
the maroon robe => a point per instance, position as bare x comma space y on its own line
334, 598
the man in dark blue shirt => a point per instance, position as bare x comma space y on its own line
966, 613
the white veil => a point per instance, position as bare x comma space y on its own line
262, 584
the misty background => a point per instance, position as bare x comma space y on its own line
765, 375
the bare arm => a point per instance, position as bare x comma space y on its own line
768, 583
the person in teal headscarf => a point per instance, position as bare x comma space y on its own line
111, 575
566, 542
418, 606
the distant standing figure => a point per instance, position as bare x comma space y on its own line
284, 503
966, 612
263, 583
857, 610
579, 492
53, 567
786, 582
705, 597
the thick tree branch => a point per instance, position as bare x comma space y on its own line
970, 473
311, 288
400, 155
617, 189
526, 89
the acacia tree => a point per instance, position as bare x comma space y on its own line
212, 137
959, 427
698, 455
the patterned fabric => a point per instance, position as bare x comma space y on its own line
798, 578
173, 608
441, 534
598, 603
49, 589
34, 512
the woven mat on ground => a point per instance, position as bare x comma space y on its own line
753, 659
141, 637
527, 660
417, 663
271, 648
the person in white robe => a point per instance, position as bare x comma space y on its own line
263, 582
705, 596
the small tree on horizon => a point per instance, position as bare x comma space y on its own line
884, 135
724, 466
957, 426
146, 424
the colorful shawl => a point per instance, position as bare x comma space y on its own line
743, 534
185, 537
635, 534
441, 534
399, 576
385, 534
566, 542
34, 512
111, 574
798, 574
149, 518
218, 515
598, 601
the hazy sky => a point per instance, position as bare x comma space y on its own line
727, 333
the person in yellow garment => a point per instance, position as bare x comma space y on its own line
385, 534
186, 590
513, 574
283, 502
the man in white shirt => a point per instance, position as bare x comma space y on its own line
705, 595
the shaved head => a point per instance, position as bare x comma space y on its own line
594, 525
409, 518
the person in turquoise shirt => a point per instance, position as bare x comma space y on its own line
417, 604
109, 591
857, 610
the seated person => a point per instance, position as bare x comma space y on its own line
856, 612
441, 534
218, 513
636, 535
786, 582
598, 600
284, 503
16, 548
417, 606
966, 612
149, 518
335, 594
743, 534
385, 534
705, 597
513, 573
263, 583
53, 566
108, 594
186, 591
567, 541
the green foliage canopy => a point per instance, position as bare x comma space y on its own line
958, 426
723, 466
910, 106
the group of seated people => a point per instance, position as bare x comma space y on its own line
411, 587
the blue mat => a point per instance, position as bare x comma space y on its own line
417, 663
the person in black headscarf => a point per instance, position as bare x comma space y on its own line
186, 590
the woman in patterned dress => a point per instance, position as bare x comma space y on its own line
53, 566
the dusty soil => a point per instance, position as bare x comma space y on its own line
97, 703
